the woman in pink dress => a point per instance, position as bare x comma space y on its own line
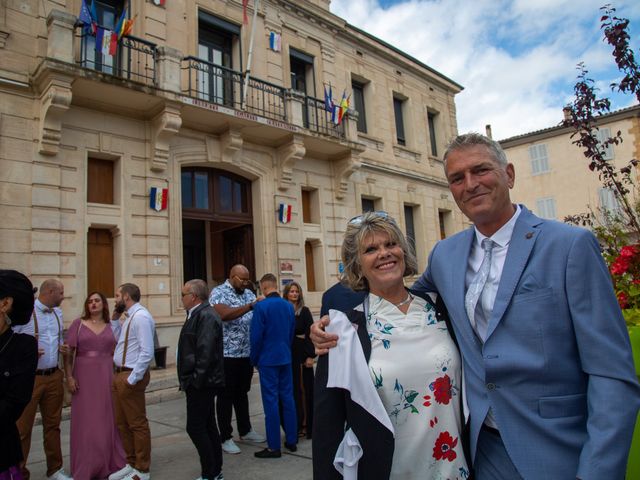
96, 448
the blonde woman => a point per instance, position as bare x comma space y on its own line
401, 400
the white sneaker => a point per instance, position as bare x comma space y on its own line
120, 474
230, 446
254, 436
137, 475
60, 475
219, 477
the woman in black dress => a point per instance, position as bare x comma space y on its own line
18, 361
302, 353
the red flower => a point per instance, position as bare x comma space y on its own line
444, 446
623, 300
620, 265
628, 251
427, 402
442, 389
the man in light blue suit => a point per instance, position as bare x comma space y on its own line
549, 376
550, 380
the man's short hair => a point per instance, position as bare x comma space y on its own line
468, 140
199, 288
269, 278
132, 290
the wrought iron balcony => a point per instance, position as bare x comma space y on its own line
318, 118
135, 58
223, 86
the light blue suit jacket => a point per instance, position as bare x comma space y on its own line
556, 367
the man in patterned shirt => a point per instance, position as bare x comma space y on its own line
234, 302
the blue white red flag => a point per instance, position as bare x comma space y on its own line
285, 213
158, 198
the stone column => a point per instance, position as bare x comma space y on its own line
60, 32
351, 126
169, 60
293, 102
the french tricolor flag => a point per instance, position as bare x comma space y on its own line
158, 198
285, 213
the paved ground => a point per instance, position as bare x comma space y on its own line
173, 455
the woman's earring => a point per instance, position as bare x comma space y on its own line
7, 320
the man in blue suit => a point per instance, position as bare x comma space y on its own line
549, 376
272, 330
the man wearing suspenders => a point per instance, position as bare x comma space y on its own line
47, 326
131, 360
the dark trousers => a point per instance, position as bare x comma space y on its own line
202, 429
237, 377
303, 395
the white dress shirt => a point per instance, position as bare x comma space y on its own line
50, 330
140, 346
501, 238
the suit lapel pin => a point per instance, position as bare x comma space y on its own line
529, 235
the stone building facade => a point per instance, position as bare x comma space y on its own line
85, 135
552, 174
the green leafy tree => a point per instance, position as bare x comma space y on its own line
618, 232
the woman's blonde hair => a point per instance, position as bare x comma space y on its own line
358, 229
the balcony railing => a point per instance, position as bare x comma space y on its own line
135, 58
317, 118
223, 86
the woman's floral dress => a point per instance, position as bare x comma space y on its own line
416, 369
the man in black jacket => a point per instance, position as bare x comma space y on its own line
201, 374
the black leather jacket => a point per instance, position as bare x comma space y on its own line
200, 350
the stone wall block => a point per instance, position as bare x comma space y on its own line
169, 60
60, 32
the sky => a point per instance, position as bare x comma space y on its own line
516, 59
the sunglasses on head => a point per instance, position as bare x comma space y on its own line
358, 219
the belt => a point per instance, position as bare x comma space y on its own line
117, 369
47, 371
491, 430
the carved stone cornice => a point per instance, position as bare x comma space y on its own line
55, 99
164, 126
287, 156
231, 146
342, 170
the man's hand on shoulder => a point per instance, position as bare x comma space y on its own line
322, 341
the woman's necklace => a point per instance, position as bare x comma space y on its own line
405, 301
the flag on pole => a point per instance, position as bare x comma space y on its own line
285, 213
120, 23
106, 42
344, 106
158, 198
127, 26
99, 38
113, 44
275, 41
245, 17
328, 101
86, 18
94, 17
